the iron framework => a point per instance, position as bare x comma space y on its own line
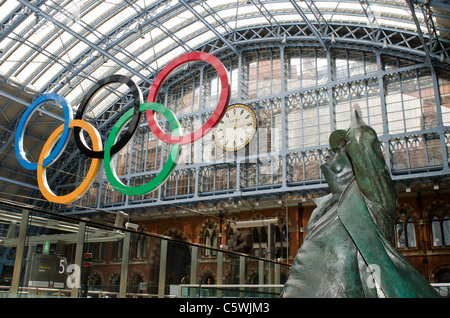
301, 65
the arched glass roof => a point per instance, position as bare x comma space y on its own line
65, 47
48, 45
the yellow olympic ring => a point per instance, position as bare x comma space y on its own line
90, 176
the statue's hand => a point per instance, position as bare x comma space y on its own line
371, 172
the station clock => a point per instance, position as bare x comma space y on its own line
236, 128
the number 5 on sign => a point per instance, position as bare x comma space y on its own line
62, 266
73, 280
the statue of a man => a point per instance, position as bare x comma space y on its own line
238, 242
347, 251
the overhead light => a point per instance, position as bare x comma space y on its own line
253, 223
131, 226
408, 189
436, 186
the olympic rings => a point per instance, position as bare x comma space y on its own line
217, 114
168, 167
113, 143
137, 96
54, 155
90, 176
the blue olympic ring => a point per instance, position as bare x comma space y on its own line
54, 155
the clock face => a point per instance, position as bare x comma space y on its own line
236, 128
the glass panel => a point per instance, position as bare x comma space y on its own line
436, 230
340, 61
410, 104
308, 68
446, 230
305, 166
400, 234
415, 152
411, 234
444, 92
293, 69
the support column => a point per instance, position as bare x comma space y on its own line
241, 270
277, 273
194, 257
78, 258
162, 269
271, 251
261, 275
242, 275
14, 290
124, 267
261, 272
219, 273
219, 268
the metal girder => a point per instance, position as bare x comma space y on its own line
15, 19
439, 4
376, 30
21, 101
323, 23
419, 32
172, 35
13, 122
435, 45
82, 39
266, 13
221, 22
159, 25
22, 184
209, 26
310, 25
147, 17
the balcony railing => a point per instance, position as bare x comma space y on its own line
44, 254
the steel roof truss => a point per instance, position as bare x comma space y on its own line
310, 25
81, 38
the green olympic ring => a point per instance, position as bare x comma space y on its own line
168, 167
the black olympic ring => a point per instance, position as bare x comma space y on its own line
133, 125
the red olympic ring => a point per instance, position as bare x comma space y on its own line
218, 112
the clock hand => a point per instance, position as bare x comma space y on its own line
242, 124
234, 123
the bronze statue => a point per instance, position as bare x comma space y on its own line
347, 251
238, 242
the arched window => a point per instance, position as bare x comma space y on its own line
443, 276
259, 241
117, 249
440, 226
405, 233
135, 280
139, 246
115, 283
208, 279
97, 249
96, 281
